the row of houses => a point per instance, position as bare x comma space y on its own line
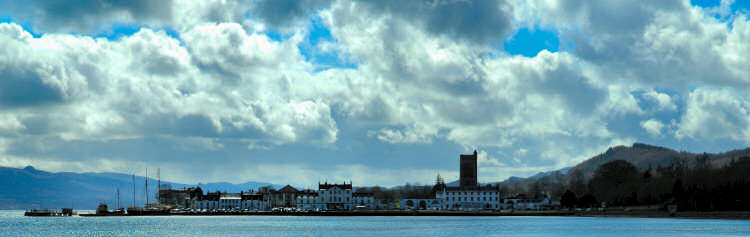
327, 197
344, 197
469, 195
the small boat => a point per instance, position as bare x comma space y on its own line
137, 211
103, 210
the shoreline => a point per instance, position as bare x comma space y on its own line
722, 215
730, 215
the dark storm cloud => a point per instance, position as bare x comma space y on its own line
25, 88
477, 21
84, 16
285, 13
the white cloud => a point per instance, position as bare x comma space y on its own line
419, 76
715, 114
663, 101
653, 127
149, 84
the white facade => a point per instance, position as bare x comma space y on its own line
334, 197
258, 205
463, 198
364, 201
310, 201
230, 201
216, 201
530, 203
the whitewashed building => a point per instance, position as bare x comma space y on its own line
230, 201
208, 201
465, 198
219, 200
331, 197
523, 202
309, 200
364, 201
253, 201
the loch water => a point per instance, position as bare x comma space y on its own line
13, 223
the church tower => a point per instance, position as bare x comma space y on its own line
468, 170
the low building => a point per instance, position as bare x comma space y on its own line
284, 197
309, 200
336, 196
364, 201
527, 202
179, 198
465, 198
420, 203
333, 197
208, 201
230, 201
253, 201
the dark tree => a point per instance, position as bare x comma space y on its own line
588, 200
568, 199
615, 182
578, 183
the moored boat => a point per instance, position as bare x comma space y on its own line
103, 210
137, 211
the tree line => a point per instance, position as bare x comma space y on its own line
696, 186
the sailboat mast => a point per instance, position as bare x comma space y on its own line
158, 177
146, 186
134, 190
118, 198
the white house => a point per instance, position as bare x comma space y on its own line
523, 202
464, 198
364, 201
334, 197
253, 201
230, 201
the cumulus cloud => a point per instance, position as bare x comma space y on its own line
423, 73
662, 100
715, 114
418, 133
653, 127
149, 84
86, 16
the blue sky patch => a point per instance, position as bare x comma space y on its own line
310, 48
738, 5
530, 42
119, 30
25, 25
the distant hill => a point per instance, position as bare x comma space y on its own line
545, 174
642, 155
31, 188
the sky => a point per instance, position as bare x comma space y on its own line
373, 92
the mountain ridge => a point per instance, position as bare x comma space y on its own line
29, 188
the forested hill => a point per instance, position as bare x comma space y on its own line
642, 155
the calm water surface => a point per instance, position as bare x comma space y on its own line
13, 223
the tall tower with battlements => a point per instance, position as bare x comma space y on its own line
468, 170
